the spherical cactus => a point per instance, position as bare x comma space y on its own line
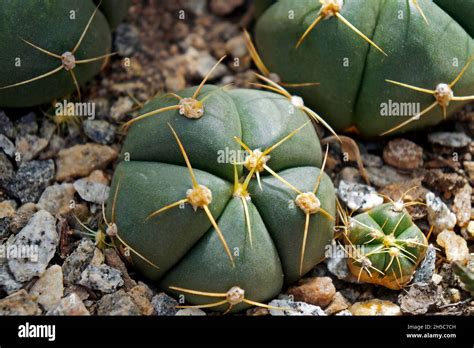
51, 47
384, 246
219, 196
383, 66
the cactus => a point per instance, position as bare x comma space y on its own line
51, 47
385, 246
466, 275
370, 58
226, 233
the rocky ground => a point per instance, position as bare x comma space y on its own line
50, 169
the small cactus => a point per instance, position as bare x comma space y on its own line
52, 47
385, 246
373, 59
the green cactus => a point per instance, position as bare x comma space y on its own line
219, 195
466, 275
52, 47
385, 246
370, 58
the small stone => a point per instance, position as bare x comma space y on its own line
7, 209
121, 107
48, 289
19, 303
29, 146
139, 295
57, 199
370, 160
197, 7
425, 271
468, 232
436, 279
420, 298
336, 263
455, 247
81, 160
175, 83
385, 175
350, 174
27, 124
291, 308
257, 312
47, 129
237, 46
375, 307
403, 154
101, 278
127, 38
70, 305
40, 233
454, 295
338, 304
344, 313
317, 291
78, 261
113, 260
358, 196
439, 215
164, 305
7, 281
118, 303
97, 258
448, 183
31, 179
205, 62
190, 312
92, 191
469, 167
450, 139
6, 126
22, 216
7, 146
7, 172
462, 205
101, 132
225, 7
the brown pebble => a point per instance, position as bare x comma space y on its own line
403, 154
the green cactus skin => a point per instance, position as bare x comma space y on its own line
389, 246
48, 24
181, 241
466, 275
115, 11
459, 10
260, 6
350, 97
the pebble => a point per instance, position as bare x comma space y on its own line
237, 46
48, 289
455, 246
7, 281
7, 209
370, 160
127, 38
121, 107
164, 305
19, 303
97, 258
350, 174
375, 307
175, 83
318, 291
225, 7
6, 126
81, 160
454, 295
197, 7
450, 139
420, 298
101, 132
337, 264
292, 308
29, 146
344, 313
439, 215
469, 167
190, 312
118, 303
358, 196
92, 191
7, 146
403, 154
22, 216
338, 304
31, 179
113, 260
77, 261
462, 205
6, 171
40, 232
70, 305
27, 124
57, 199
425, 271
140, 295
101, 278
385, 175
205, 62
47, 129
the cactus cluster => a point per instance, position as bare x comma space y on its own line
383, 66
52, 47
